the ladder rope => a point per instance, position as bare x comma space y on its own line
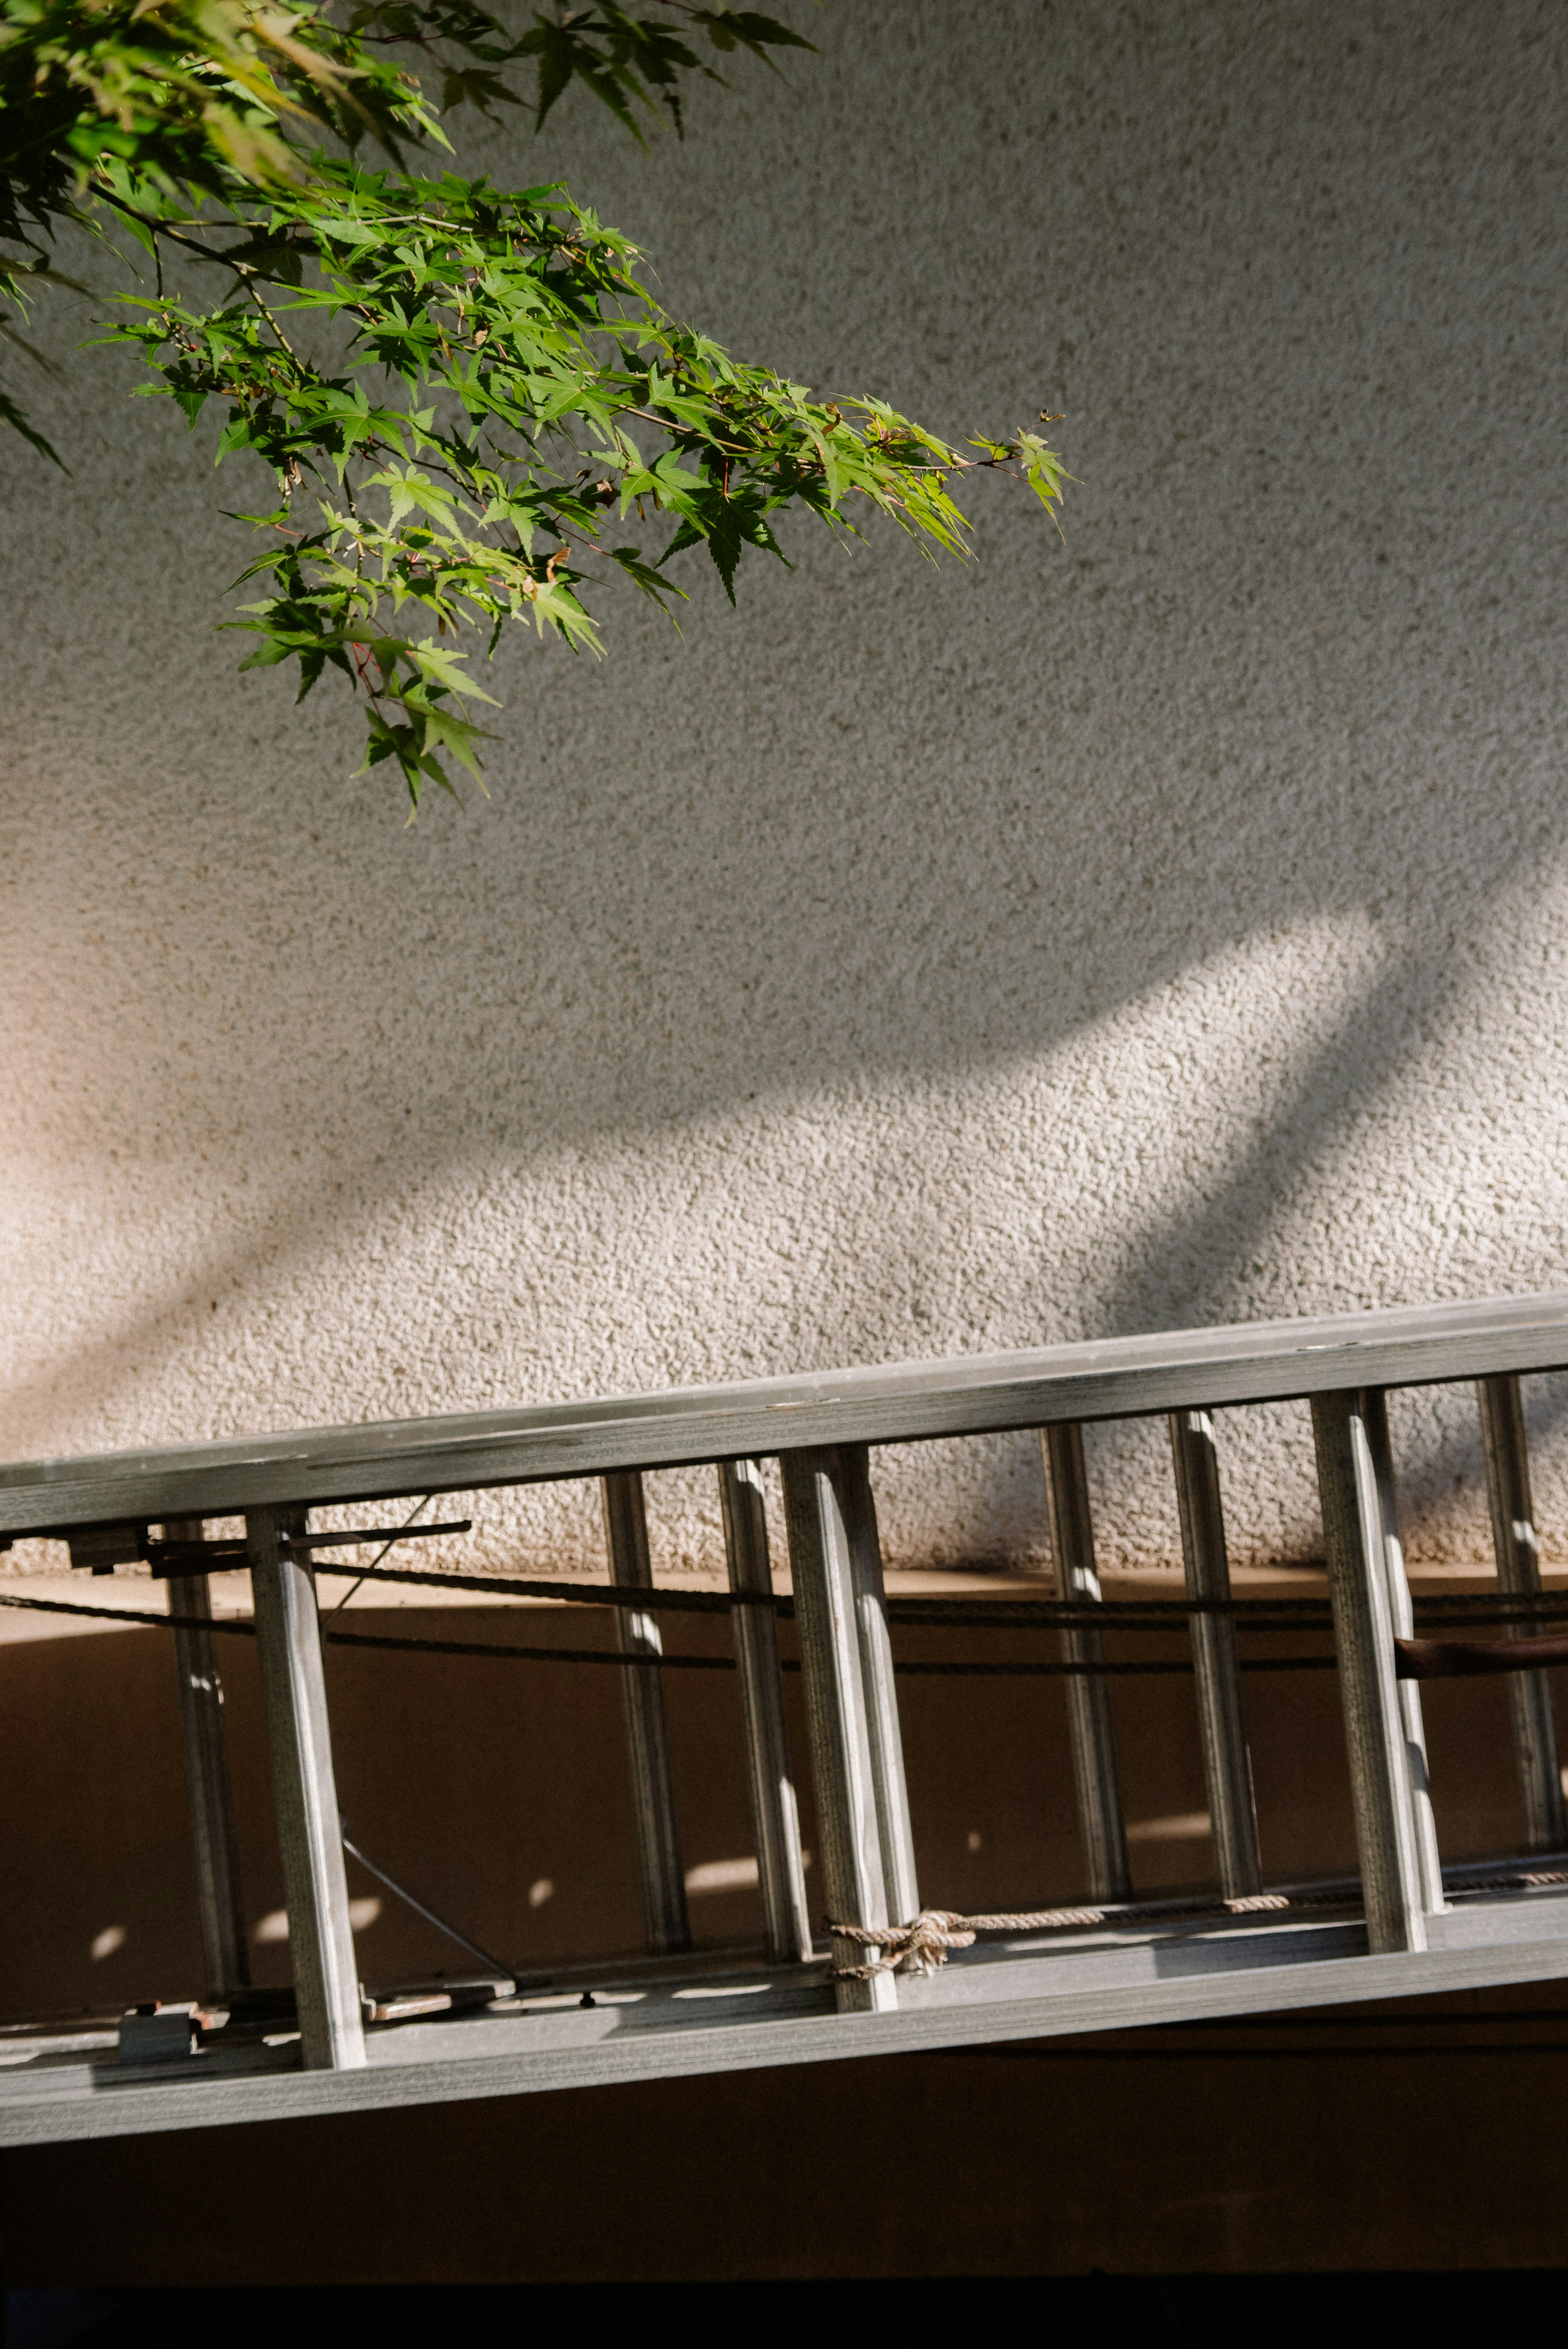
641, 1658
922, 1946
990, 1614
1414, 1658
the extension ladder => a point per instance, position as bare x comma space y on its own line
1404, 1925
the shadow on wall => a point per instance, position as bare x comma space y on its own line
1162, 927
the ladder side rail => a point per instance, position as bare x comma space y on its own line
1428, 1859
770, 1779
853, 1881
1518, 1559
225, 1960
661, 1877
888, 1777
1091, 1735
896, 1403
304, 1793
1364, 1641
1227, 1764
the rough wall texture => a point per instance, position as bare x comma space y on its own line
1164, 926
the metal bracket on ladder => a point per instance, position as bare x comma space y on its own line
310, 1834
1088, 1694
775, 1813
1227, 1765
893, 1829
1380, 1780
823, 1507
660, 1874
225, 1962
1401, 1615
1518, 1556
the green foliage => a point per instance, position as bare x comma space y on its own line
466, 397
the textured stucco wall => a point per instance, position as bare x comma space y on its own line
1161, 927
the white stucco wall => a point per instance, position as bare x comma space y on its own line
1163, 927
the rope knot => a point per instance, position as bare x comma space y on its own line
922, 1945
917, 1948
